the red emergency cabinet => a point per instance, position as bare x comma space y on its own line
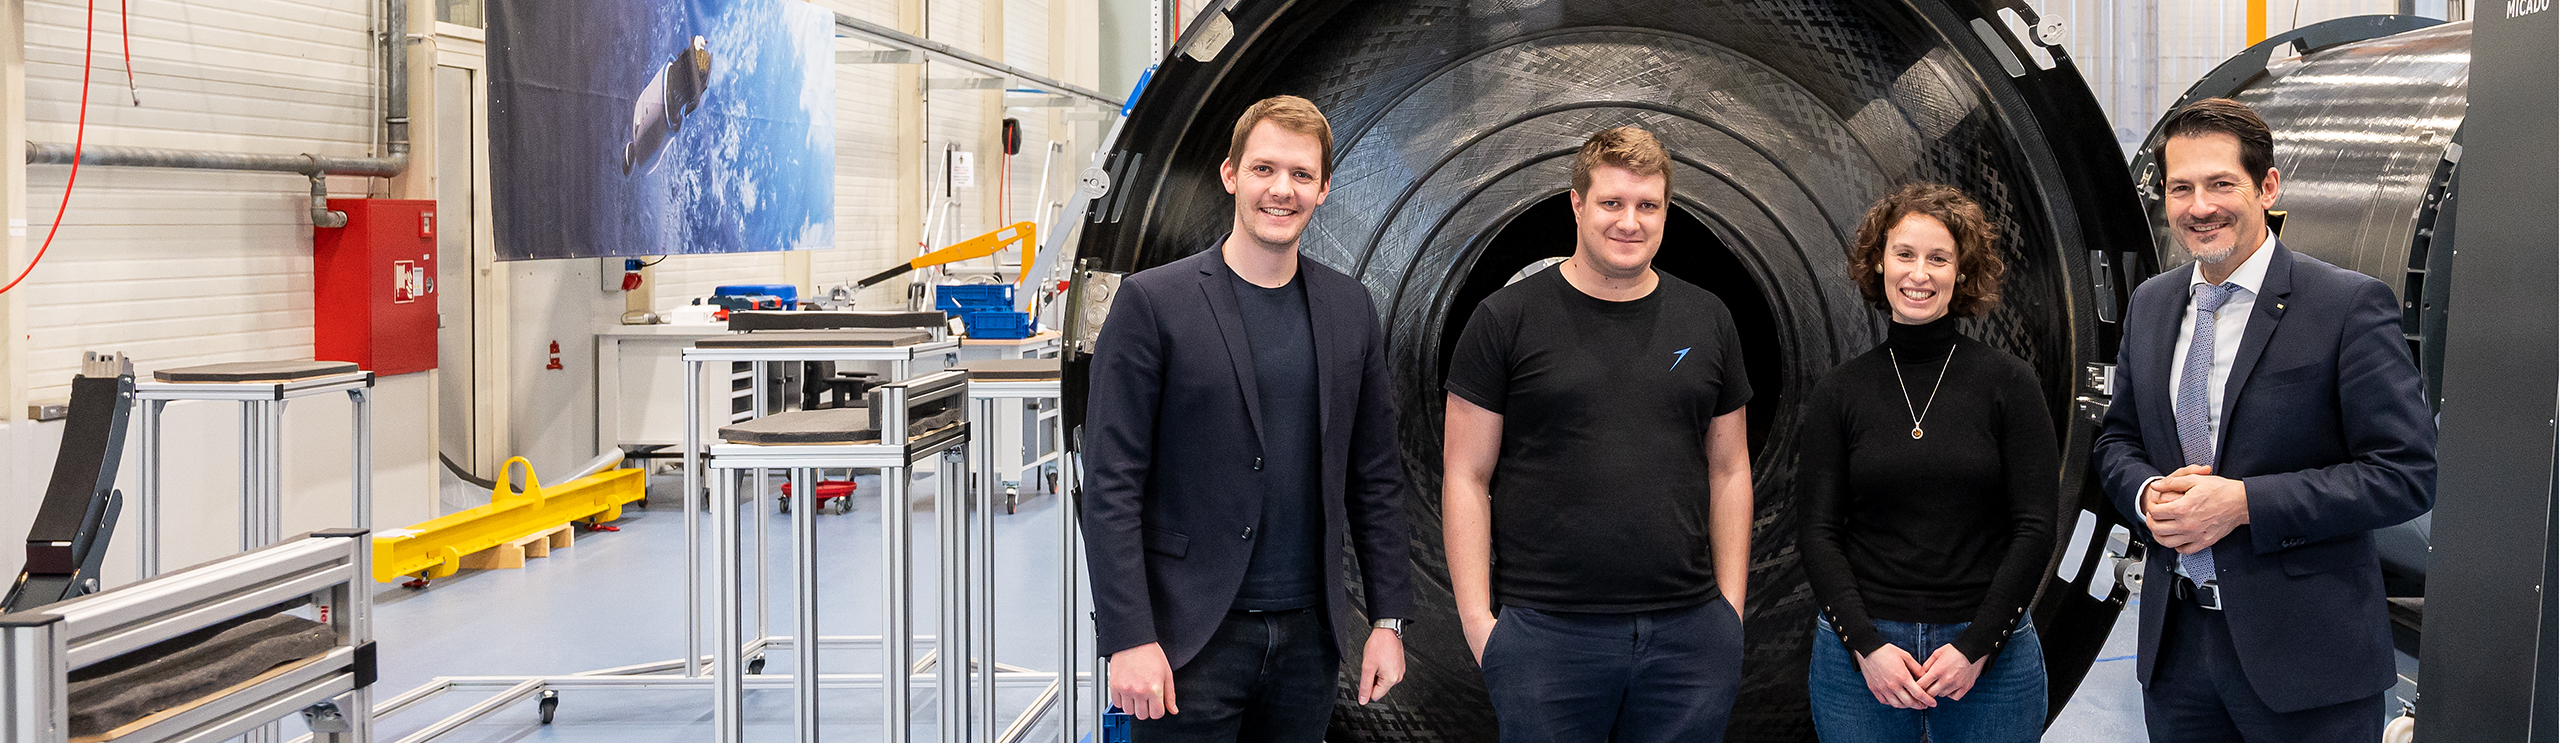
374, 286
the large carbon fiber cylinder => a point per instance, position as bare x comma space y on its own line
1454, 123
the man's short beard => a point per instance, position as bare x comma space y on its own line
2219, 256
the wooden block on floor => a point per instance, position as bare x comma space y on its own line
541, 545
511, 555
506, 556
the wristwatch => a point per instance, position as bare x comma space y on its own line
1391, 625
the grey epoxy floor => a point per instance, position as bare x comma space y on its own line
613, 598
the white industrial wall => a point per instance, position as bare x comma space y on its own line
866, 163
177, 268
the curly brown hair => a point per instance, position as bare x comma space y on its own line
1977, 246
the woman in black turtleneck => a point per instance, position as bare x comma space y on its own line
1930, 480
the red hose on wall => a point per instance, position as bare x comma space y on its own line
79, 136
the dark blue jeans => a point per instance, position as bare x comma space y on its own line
1264, 676
1667, 675
2007, 702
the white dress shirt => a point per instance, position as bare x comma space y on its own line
2228, 324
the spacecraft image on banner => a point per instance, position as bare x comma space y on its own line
675, 91
657, 127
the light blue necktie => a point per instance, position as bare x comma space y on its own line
2193, 435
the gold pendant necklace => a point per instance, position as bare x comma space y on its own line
1923, 411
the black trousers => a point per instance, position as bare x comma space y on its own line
1265, 676
2198, 695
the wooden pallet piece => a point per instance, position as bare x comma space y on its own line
511, 555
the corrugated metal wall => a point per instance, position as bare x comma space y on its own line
866, 162
177, 268
180, 267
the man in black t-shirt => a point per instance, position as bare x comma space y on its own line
1595, 446
1239, 441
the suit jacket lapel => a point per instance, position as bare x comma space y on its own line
1326, 353
2267, 311
2163, 413
1214, 278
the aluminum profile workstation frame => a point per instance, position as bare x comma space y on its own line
986, 400
728, 672
262, 406
965, 713
40, 648
901, 360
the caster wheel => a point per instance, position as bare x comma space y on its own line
755, 666
414, 584
784, 504
549, 705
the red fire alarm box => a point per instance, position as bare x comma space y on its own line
374, 286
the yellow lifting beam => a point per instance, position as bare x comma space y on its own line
973, 248
434, 548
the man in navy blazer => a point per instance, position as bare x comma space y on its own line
1238, 433
2267, 418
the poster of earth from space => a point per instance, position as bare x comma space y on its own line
659, 127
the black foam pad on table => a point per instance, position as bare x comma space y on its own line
823, 426
1011, 370
819, 339
823, 320
256, 371
827, 426
121, 690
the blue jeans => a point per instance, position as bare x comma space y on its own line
2007, 702
1646, 677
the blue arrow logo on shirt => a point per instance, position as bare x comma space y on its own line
1679, 356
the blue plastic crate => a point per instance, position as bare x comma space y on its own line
961, 299
1115, 726
1006, 324
789, 294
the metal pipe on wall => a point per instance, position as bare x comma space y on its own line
395, 127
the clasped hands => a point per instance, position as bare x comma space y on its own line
1901, 682
2191, 509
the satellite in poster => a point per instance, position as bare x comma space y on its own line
657, 127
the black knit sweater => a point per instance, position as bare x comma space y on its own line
1954, 526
